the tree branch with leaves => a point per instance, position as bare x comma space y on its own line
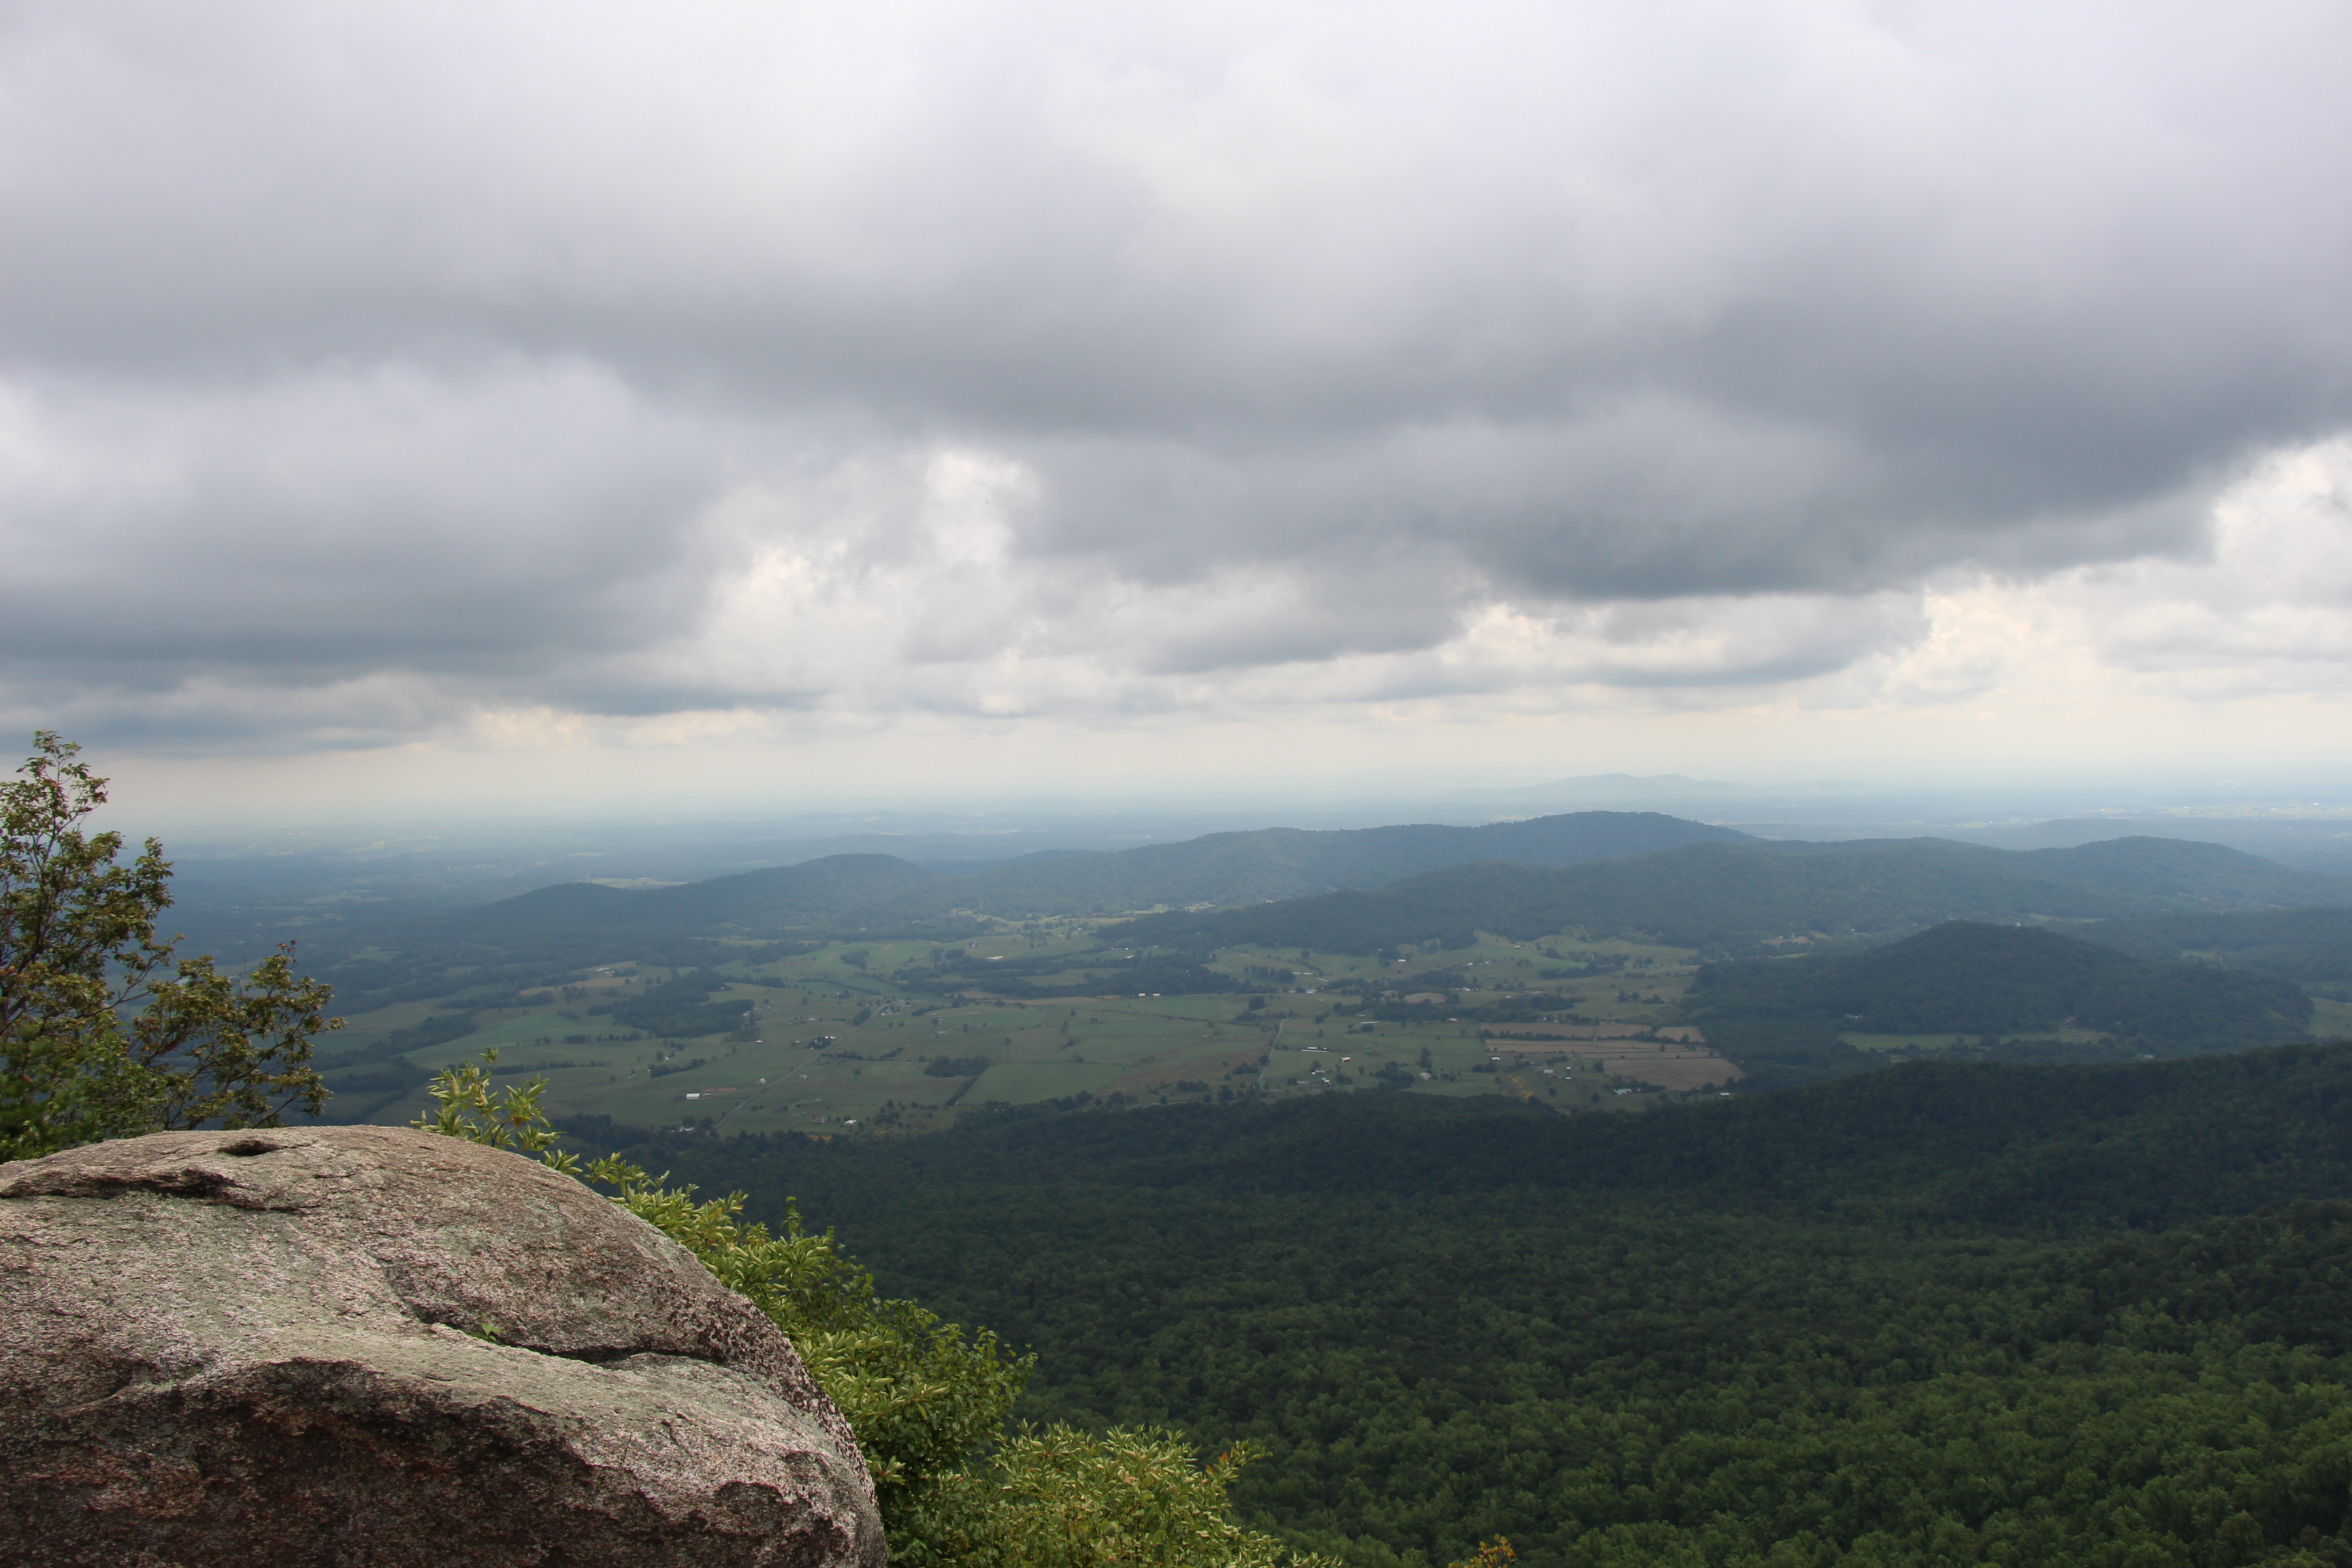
105, 1032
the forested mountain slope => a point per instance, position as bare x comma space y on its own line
1288, 862
1221, 869
1731, 896
2311, 946
773, 897
2026, 1148
2176, 869
1964, 976
1712, 891
1946, 1313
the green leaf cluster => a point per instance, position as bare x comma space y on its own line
468, 1105
1122, 1499
104, 1031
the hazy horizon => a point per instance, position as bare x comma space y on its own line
141, 804
448, 855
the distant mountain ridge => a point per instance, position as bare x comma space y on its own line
1689, 884
1729, 896
1290, 862
1219, 869
1612, 788
776, 896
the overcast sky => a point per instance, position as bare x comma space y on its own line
433, 398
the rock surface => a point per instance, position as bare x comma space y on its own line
366, 1345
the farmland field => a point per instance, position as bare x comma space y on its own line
905, 1035
863, 1035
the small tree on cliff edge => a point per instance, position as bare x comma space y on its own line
104, 1033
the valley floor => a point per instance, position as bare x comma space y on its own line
835, 1044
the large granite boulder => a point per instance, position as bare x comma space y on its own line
367, 1346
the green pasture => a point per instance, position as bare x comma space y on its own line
871, 1071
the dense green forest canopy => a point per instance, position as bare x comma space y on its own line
1948, 1312
2311, 946
681, 1007
2044, 1149
1989, 979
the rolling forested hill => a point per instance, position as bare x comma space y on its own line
1946, 1313
772, 899
534, 938
1605, 871
575, 923
1782, 1016
1986, 979
1711, 891
2310, 946
1717, 897
1220, 869
1289, 863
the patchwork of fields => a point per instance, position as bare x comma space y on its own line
867, 1034
905, 1034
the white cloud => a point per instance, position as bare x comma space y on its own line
2265, 608
685, 373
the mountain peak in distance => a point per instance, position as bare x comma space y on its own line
1610, 786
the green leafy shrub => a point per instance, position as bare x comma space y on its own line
104, 1031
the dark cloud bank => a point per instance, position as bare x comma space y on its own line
371, 367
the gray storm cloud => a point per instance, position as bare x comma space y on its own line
375, 364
